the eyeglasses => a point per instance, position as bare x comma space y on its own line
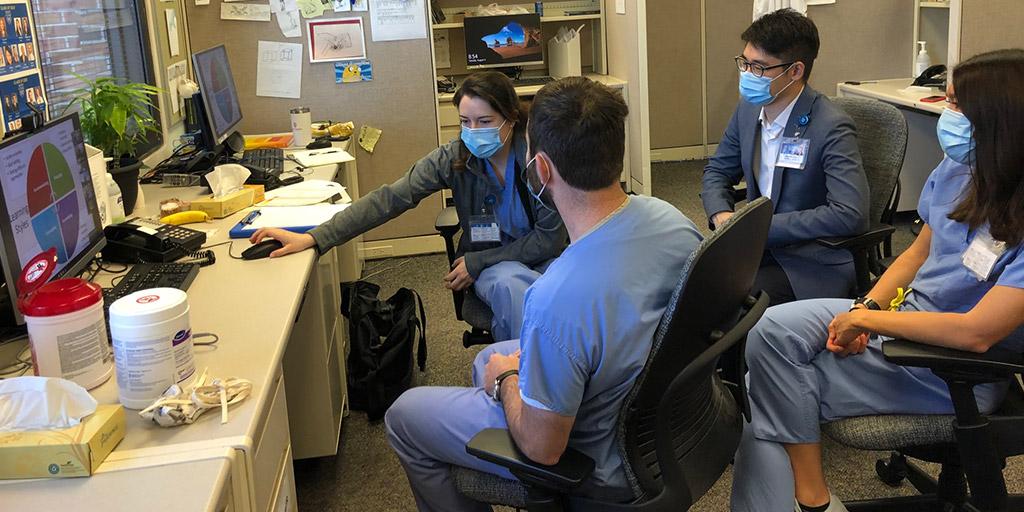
755, 68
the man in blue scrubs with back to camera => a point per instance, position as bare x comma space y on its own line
588, 321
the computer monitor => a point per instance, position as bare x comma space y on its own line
217, 88
503, 41
47, 200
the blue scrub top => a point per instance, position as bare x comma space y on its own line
509, 208
589, 322
944, 283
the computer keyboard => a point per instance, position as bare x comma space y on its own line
533, 80
152, 275
271, 159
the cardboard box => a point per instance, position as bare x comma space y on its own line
63, 453
223, 206
258, 193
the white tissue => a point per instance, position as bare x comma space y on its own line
227, 178
33, 403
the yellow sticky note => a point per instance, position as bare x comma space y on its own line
310, 8
368, 137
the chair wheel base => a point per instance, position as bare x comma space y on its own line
891, 472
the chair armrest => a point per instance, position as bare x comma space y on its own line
497, 447
874, 236
447, 222
995, 364
739, 194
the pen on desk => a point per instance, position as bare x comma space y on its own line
249, 219
324, 152
858, 82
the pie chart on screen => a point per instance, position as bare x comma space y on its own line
52, 201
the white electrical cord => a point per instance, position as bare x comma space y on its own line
182, 407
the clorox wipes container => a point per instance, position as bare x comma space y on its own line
152, 344
66, 330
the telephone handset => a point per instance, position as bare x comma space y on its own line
139, 240
934, 76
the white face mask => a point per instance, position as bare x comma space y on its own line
529, 188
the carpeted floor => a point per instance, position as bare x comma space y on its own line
366, 475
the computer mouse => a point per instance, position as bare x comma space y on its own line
262, 249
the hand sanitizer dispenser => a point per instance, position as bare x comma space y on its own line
923, 61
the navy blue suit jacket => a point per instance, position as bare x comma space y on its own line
828, 197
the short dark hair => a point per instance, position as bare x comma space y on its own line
581, 125
786, 35
989, 90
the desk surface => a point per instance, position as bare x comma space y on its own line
530, 90
892, 91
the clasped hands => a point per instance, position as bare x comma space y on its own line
844, 337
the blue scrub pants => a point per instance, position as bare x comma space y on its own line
502, 286
428, 427
796, 384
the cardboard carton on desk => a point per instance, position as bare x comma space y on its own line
221, 207
63, 453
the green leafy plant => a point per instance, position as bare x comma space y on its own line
115, 116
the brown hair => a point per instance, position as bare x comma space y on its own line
498, 91
989, 90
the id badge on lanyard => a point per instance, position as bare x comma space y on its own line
483, 228
981, 255
793, 153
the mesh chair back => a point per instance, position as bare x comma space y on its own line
882, 140
678, 396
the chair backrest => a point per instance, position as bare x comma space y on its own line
882, 140
679, 425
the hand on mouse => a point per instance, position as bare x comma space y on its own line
293, 242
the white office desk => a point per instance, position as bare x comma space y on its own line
253, 306
923, 151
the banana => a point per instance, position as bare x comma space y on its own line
188, 217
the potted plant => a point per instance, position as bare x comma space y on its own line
116, 116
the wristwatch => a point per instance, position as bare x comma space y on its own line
867, 302
496, 394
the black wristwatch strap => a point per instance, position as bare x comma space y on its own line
497, 383
867, 302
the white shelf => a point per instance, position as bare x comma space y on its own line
544, 19
938, 5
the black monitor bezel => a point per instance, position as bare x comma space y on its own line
206, 95
540, 24
9, 255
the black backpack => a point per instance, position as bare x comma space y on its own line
381, 334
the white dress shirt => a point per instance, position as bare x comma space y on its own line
771, 140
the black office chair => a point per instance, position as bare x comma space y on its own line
882, 140
680, 425
468, 307
972, 448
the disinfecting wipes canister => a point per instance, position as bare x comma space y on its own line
152, 344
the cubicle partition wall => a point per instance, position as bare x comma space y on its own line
399, 100
987, 25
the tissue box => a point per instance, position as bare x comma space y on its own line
63, 453
258, 193
221, 207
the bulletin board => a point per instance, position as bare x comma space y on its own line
21, 80
174, 66
400, 99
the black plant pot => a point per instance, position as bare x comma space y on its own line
126, 175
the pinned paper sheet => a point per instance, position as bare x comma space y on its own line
358, 71
288, 21
277, 6
310, 8
279, 69
368, 138
245, 12
397, 20
175, 74
442, 50
342, 5
202, 2
172, 32
359, 5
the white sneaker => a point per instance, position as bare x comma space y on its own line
834, 504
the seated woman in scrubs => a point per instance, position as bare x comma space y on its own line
508, 236
820, 360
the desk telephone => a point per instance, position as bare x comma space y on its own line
138, 240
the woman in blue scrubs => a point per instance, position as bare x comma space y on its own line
508, 236
820, 360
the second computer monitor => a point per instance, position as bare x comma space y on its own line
503, 41
217, 87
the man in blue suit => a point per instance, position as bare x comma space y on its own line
791, 144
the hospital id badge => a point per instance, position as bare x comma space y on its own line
484, 229
793, 153
981, 256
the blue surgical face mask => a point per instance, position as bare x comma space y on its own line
955, 135
758, 89
483, 142
529, 187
